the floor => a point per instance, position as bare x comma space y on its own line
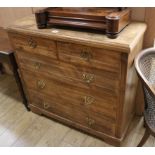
21, 128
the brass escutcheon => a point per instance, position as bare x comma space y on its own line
86, 54
41, 84
88, 100
88, 78
32, 43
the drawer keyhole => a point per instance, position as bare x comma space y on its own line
90, 121
86, 55
46, 105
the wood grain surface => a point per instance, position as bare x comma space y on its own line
84, 80
21, 128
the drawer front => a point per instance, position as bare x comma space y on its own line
73, 113
89, 56
95, 101
85, 77
36, 45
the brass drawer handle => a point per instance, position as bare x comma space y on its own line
88, 78
88, 100
86, 54
32, 43
41, 84
90, 121
37, 65
46, 105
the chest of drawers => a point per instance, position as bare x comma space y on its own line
81, 79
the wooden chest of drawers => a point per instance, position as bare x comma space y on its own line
81, 79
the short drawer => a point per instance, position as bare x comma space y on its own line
95, 101
85, 77
73, 113
33, 44
89, 56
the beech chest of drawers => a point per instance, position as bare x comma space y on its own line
81, 79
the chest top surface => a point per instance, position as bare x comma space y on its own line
125, 42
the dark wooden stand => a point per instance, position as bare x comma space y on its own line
11, 59
7, 55
109, 20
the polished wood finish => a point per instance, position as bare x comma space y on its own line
110, 20
81, 79
14, 13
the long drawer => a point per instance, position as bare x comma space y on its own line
73, 113
84, 77
31, 44
89, 56
85, 99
